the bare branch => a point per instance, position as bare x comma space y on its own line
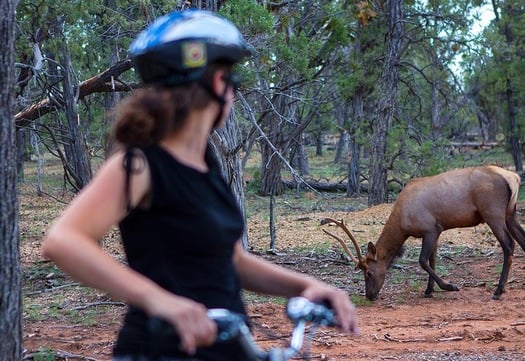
276, 151
94, 304
100, 83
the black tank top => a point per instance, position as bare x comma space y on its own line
183, 241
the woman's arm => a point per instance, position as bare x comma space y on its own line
73, 240
262, 276
73, 244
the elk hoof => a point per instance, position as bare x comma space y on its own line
497, 295
428, 294
451, 287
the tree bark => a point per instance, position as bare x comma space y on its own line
513, 137
299, 157
271, 179
21, 141
387, 105
436, 121
281, 125
226, 146
79, 165
354, 172
342, 146
111, 99
342, 116
10, 281
510, 38
319, 144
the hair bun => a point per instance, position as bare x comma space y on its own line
141, 119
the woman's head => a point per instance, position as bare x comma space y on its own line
177, 57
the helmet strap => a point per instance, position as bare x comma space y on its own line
221, 99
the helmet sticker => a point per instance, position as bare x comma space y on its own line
194, 54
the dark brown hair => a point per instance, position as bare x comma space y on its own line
149, 114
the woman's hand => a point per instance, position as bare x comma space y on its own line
340, 302
262, 276
188, 318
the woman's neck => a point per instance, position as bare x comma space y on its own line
188, 144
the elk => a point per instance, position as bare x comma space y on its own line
428, 206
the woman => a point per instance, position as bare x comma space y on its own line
179, 222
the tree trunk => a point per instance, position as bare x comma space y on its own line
342, 117
342, 146
299, 157
211, 5
354, 173
225, 143
271, 180
510, 38
21, 136
435, 108
319, 144
282, 127
35, 144
110, 102
513, 137
387, 105
10, 281
353, 185
78, 163
491, 129
110, 99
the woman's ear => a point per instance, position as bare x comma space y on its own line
218, 82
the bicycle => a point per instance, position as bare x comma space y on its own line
299, 310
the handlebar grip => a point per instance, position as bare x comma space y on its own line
231, 325
228, 323
302, 309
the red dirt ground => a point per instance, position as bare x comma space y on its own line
400, 325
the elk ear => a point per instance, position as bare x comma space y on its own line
372, 250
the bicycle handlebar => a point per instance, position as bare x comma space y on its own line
299, 310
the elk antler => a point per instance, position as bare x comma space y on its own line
342, 225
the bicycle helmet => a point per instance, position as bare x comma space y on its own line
176, 47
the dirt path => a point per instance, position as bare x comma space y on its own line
465, 325
455, 326
400, 325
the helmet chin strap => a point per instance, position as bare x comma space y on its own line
221, 99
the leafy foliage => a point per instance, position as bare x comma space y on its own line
315, 69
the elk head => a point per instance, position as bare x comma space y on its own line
373, 269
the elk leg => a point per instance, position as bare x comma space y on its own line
507, 245
428, 251
516, 230
432, 262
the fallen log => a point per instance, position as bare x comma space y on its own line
318, 186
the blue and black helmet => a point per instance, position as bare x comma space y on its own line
177, 47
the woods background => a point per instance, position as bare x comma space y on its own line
399, 88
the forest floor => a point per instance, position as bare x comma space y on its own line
65, 321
